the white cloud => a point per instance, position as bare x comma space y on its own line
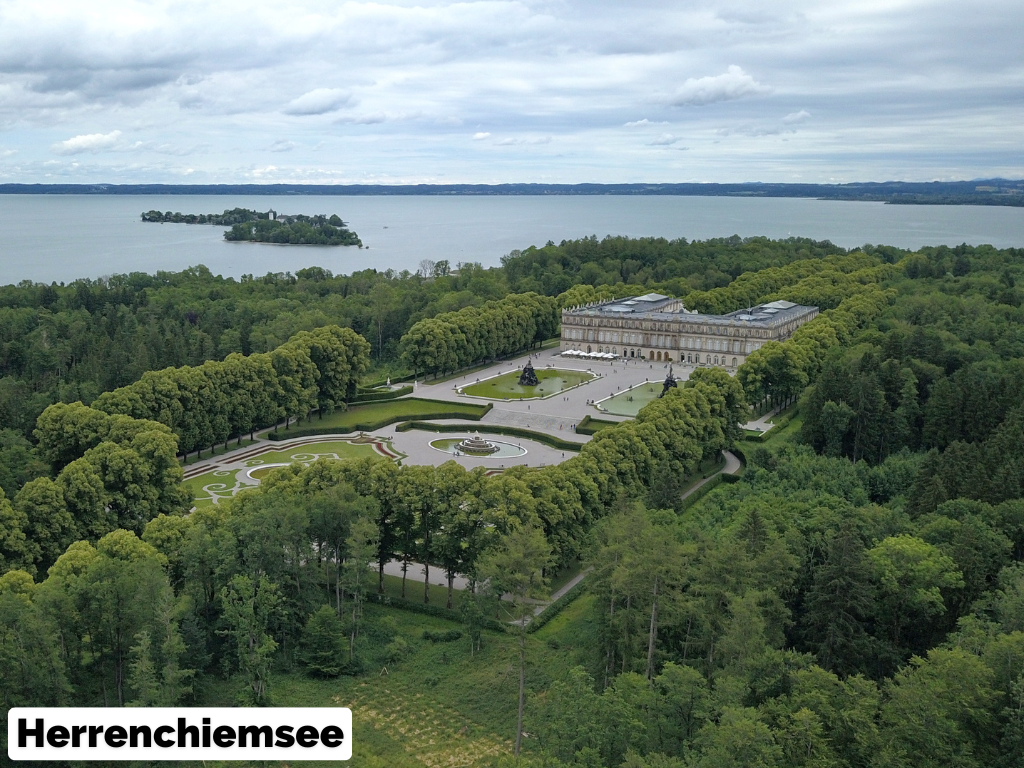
319, 101
481, 135
283, 145
645, 121
371, 119
664, 140
929, 89
730, 85
796, 117
89, 142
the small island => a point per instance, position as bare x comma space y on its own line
268, 227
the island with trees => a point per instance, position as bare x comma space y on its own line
266, 227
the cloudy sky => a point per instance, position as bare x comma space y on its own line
510, 91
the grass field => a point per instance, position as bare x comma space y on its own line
218, 484
220, 450
346, 421
224, 483
437, 706
506, 386
630, 402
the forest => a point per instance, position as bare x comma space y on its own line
228, 218
855, 599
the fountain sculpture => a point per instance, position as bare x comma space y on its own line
476, 446
528, 378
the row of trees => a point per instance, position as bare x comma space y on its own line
455, 340
751, 288
779, 371
208, 404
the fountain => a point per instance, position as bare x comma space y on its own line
476, 446
529, 376
670, 383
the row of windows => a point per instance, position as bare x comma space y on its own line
660, 340
717, 330
663, 357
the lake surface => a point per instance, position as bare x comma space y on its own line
63, 237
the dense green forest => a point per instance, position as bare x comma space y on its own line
267, 227
856, 599
295, 230
229, 218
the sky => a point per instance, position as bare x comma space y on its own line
559, 91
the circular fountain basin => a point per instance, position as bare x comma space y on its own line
454, 446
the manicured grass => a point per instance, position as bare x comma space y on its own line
220, 450
328, 449
507, 387
225, 478
630, 402
233, 479
409, 407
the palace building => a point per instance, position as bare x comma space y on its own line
660, 329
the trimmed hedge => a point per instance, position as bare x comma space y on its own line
707, 488
590, 425
437, 611
372, 397
553, 442
556, 607
370, 426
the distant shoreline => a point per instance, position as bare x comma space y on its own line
989, 192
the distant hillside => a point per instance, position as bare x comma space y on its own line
977, 192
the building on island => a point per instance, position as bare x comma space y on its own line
660, 329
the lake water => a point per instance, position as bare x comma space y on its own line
64, 237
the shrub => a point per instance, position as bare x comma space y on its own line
324, 645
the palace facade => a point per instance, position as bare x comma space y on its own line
658, 328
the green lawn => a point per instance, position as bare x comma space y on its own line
630, 402
232, 481
219, 483
506, 386
328, 449
220, 450
404, 408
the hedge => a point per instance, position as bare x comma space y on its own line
556, 607
707, 488
437, 611
372, 397
738, 452
554, 442
589, 425
370, 426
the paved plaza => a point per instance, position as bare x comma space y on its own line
556, 415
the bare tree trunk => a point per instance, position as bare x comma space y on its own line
380, 577
625, 633
405, 568
653, 632
337, 581
610, 665
426, 582
451, 588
